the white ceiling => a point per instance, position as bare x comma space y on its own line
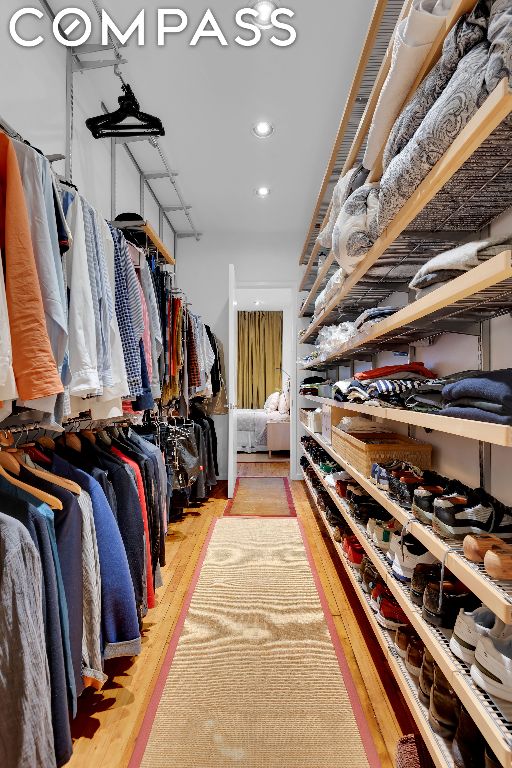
208, 98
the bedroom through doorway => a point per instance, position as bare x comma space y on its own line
263, 386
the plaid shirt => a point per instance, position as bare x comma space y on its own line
124, 290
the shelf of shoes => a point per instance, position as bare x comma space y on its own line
483, 134
497, 596
496, 434
439, 748
488, 715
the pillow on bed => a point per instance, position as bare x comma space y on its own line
272, 403
284, 403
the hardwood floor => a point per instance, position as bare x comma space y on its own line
108, 722
265, 469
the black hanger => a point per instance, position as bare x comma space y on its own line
112, 124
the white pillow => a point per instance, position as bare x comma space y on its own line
272, 403
284, 403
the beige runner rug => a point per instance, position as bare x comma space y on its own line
255, 675
262, 496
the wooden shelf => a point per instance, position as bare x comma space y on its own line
477, 295
484, 711
439, 748
375, 48
496, 434
495, 595
490, 115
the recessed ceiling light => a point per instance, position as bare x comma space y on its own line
265, 9
263, 192
263, 129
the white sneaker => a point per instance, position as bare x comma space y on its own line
394, 546
469, 628
408, 555
370, 527
492, 670
382, 535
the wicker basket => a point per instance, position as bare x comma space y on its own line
311, 419
362, 450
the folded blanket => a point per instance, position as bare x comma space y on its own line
375, 313
412, 43
490, 386
339, 195
330, 289
470, 30
460, 100
355, 230
476, 414
452, 263
500, 37
390, 371
425, 401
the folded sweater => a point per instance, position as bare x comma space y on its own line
490, 386
476, 414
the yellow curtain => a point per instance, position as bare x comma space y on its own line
260, 357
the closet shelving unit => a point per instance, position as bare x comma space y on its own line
438, 747
463, 193
484, 711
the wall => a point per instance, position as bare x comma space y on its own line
34, 103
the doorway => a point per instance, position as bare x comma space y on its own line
263, 382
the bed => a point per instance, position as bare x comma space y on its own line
252, 429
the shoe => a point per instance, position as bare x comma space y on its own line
476, 545
422, 505
426, 678
492, 669
378, 592
408, 555
382, 535
390, 615
348, 540
469, 628
414, 656
355, 554
491, 761
336, 534
444, 708
468, 746
369, 578
442, 610
394, 546
403, 637
498, 562
424, 573
456, 515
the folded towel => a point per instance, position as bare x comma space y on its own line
476, 414
490, 386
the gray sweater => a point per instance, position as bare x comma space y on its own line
26, 736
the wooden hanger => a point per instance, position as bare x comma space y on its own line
89, 435
51, 477
73, 441
47, 498
46, 442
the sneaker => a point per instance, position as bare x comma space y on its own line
476, 545
414, 656
370, 579
492, 669
498, 562
403, 637
442, 610
409, 554
456, 515
394, 546
378, 592
469, 628
382, 535
468, 746
390, 615
336, 534
348, 540
444, 708
426, 678
355, 554
423, 574
422, 505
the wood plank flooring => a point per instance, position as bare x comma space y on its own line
270, 469
108, 722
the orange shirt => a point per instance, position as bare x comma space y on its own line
33, 362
